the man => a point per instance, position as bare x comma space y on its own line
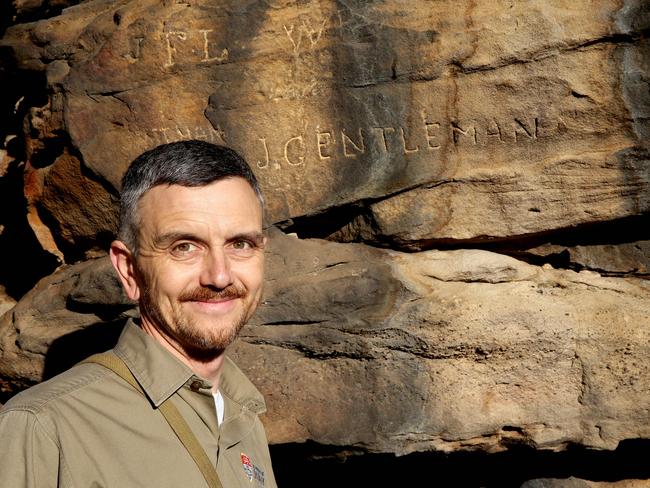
191, 252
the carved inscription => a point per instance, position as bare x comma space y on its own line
382, 132
180, 46
431, 134
178, 132
304, 32
429, 137
193, 46
297, 151
136, 46
307, 31
171, 46
351, 148
323, 139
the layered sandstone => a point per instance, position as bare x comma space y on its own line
391, 352
460, 152
496, 123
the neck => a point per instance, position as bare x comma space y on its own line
207, 367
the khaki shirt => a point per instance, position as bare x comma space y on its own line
89, 428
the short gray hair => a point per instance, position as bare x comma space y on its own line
185, 163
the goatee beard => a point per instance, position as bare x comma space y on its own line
197, 343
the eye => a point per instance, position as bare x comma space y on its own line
242, 245
183, 249
243, 248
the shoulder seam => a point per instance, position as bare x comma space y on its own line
36, 406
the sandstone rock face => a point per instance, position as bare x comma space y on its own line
391, 352
578, 483
460, 152
473, 343
614, 259
6, 302
445, 121
79, 303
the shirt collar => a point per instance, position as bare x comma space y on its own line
161, 374
234, 384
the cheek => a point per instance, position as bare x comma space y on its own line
252, 274
170, 282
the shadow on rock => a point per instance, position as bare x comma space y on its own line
68, 350
316, 465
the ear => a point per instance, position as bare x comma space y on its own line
124, 263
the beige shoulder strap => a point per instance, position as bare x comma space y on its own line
171, 414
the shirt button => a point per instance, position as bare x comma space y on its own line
196, 385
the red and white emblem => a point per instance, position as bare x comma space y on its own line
247, 465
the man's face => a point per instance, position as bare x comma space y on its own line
200, 263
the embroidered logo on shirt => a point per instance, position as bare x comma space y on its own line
258, 474
252, 471
247, 465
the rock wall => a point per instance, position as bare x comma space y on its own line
458, 198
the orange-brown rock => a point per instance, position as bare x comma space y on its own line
447, 121
390, 352
519, 127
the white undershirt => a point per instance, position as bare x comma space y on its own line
218, 403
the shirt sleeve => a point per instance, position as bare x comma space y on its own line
29, 457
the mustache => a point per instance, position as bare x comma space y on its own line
207, 294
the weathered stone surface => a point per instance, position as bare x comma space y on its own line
69, 210
6, 302
78, 302
391, 352
5, 160
450, 120
493, 204
479, 342
42, 8
627, 258
579, 483
436, 124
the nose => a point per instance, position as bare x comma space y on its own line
216, 272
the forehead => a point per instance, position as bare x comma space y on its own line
230, 201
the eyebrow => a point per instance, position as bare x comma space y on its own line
170, 237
